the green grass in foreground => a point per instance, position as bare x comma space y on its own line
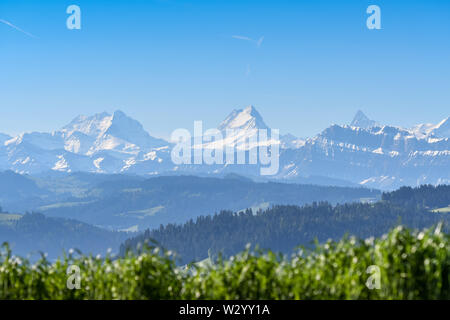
412, 264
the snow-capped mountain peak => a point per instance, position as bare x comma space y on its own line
365, 152
243, 124
132, 131
429, 130
239, 128
362, 121
243, 119
102, 143
92, 126
103, 131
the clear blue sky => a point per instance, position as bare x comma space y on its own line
168, 63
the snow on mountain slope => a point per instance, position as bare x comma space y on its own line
92, 126
114, 143
372, 155
289, 141
420, 131
108, 132
78, 142
246, 119
99, 143
381, 157
46, 141
127, 134
440, 130
240, 129
364, 152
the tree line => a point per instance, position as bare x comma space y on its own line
284, 227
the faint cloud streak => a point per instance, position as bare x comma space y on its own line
18, 29
257, 42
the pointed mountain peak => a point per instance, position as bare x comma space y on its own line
362, 121
119, 114
91, 126
122, 123
101, 123
130, 130
360, 113
251, 110
243, 119
106, 131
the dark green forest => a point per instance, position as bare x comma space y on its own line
425, 196
282, 228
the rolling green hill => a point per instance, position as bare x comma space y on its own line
282, 228
33, 233
126, 203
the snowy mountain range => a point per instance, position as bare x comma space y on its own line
364, 152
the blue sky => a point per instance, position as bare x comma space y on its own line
168, 63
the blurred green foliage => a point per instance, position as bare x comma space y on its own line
412, 264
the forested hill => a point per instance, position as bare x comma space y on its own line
282, 228
128, 202
426, 196
34, 233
